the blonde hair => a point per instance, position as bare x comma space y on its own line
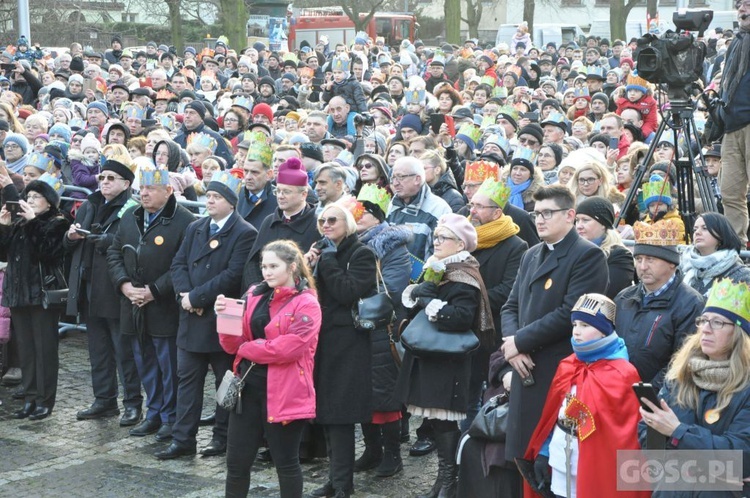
612, 238
434, 158
599, 169
15, 124
351, 224
110, 151
288, 251
687, 393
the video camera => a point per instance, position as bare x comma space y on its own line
675, 59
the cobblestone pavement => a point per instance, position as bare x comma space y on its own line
63, 457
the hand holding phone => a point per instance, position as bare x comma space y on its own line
14, 208
644, 390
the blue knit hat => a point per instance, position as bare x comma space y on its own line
98, 104
17, 139
411, 121
63, 130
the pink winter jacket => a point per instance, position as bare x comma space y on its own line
288, 350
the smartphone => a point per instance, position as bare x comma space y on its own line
81, 231
532, 116
451, 126
89, 84
7, 67
436, 121
646, 391
14, 208
317, 84
528, 381
229, 321
614, 143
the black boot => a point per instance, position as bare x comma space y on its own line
391, 463
405, 427
373, 454
447, 443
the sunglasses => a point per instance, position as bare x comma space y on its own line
110, 178
331, 220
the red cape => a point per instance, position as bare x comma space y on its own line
604, 387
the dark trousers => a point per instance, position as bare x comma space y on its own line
111, 352
245, 436
36, 331
340, 445
191, 373
156, 360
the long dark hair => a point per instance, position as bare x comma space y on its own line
718, 226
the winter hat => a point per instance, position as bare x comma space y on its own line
289, 76
553, 102
198, 107
4, 125
635, 82
118, 126
601, 96
190, 50
267, 80
90, 142
411, 121
627, 60
600, 209
292, 172
98, 104
311, 150
76, 64
17, 139
49, 186
121, 169
263, 109
461, 228
534, 130
63, 130
75, 78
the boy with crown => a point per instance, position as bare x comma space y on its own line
590, 412
344, 84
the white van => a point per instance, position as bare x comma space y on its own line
543, 34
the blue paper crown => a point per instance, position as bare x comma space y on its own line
167, 121
244, 102
135, 111
202, 140
595, 71
524, 154
77, 124
42, 162
414, 96
226, 178
581, 93
554, 117
53, 181
501, 142
340, 64
151, 177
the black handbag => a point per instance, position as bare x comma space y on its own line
54, 288
423, 339
376, 311
491, 422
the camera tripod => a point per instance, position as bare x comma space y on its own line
688, 170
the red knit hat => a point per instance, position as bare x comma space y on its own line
264, 109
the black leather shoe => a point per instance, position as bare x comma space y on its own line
98, 410
27, 410
208, 420
148, 426
40, 413
164, 433
131, 416
18, 394
214, 448
175, 451
422, 447
325, 491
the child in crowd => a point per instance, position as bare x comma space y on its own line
639, 98
85, 164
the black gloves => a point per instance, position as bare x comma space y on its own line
425, 289
542, 472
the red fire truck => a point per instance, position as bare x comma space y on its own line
310, 24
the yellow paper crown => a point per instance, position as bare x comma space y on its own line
497, 191
260, 151
732, 300
479, 171
665, 232
470, 131
378, 196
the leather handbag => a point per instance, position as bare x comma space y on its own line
423, 339
229, 392
54, 288
376, 311
491, 422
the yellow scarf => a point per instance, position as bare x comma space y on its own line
494, 232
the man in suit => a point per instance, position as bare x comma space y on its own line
535, 320
139, 260
209, 263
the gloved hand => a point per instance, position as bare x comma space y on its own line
101, 242
433, 308
326, 246
542, 472
424, 293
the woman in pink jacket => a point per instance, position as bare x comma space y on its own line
280, 329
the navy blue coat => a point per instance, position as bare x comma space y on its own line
256, 213
206, 267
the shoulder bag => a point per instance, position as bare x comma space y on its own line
376, 311
423, 339
54, 288
491, 422
229, 392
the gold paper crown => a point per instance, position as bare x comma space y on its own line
591, 304
665, 232
734, 298
497, 191
165, 94
479, 171
378, 196
202, 140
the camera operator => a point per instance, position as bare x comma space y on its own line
735, 89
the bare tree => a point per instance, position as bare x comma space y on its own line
528, 14
452, 11
619, 10
473, 17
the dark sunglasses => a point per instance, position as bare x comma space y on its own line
331, 220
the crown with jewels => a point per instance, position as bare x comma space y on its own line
230, 180
414, 96
581, 93
151, 176
165, 94
378, 196
665, 232
489, 80
135, 111
479, 171
497, 191
244, 102
42, 162
340, 64
53, 181
732, 300
202, 140
470, 131
592, 304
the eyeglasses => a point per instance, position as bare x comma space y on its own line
231, 120
34, 198
440, 239
284, 193
546, 214
365, 166
401, 178
109, 178
745, 4
527, 141
714, 324
331, 220
587, 181
11, 146
471, 186
471, 205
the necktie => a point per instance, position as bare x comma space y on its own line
254, 198
214, 228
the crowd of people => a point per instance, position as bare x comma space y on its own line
483, 190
